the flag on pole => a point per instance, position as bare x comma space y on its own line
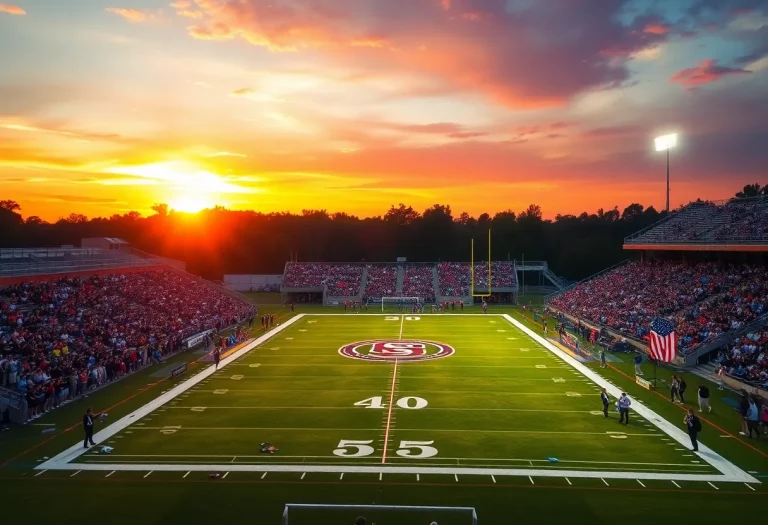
663, 340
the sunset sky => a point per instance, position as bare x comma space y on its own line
354, 105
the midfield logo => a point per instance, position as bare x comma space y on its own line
386, 350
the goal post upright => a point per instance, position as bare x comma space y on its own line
472, 268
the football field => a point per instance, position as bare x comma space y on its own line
384, 397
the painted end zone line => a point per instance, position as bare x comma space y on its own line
102, 436
392, 469
728, 469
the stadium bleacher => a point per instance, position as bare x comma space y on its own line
61, 337
341, 280
736, 221
705, 299
417, 282
382, 281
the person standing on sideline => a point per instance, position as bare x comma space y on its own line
602, 359
624, 404
88, 420
606, 401
753, 418
216, 357
681, 389
743, 410
704, 399
693, 424
638, 362
674, 389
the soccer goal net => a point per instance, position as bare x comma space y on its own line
400, 301
305, 514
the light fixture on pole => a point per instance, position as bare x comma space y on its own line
666, 143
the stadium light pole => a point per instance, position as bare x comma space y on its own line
666, 143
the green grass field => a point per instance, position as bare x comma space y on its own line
475, 428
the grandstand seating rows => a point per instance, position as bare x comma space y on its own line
418, 279
704, 299
738, 221
62, 336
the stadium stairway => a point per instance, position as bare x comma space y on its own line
705, 371
400, 279
435, 281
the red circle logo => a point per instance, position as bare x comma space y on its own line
400, 350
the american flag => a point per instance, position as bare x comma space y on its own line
663, 340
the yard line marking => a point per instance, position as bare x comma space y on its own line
493, 478
75, 474
187, 474
233, 459
264, 475
391, 400
225, 475
641, 483
417, 477
675, 484
530, 478
569, 481
341, 477
456, 477
381, 474
148, 473
750, 487
41, 472
606, 483
713, 486
303, 474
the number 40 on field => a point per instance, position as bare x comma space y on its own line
409, 403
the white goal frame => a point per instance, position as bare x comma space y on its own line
405, 300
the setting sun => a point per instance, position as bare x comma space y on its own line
190, 203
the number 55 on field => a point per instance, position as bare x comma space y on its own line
351, 448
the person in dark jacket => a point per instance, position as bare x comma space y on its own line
88, 419
681, 389
693, 424
606, 402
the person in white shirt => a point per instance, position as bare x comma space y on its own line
624, 404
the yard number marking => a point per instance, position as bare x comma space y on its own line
541, 366
558, 380
169, 430
237, 377
403, 402
423, 449
397, 318
197, 409
221, 391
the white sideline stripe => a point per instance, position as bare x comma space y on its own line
397, 469
688, 465
121, 424
722, 465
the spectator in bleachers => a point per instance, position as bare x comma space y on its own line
341, 280
62, 337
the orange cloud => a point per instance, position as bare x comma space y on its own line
707, 71
135, 15
656, 29
11, 9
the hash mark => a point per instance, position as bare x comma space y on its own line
303, 474
187, 474
750, 487
148, 473
75, 474
264, 475
41, 472
713, 486
456, 477
110, 473
530, 478
675, 484
606, 483
569, 481
225, 475
641, 483
341, 477
493, 478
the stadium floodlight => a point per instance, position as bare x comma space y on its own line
666, 143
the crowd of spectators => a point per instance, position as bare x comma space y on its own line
341, 280
747, 358
502, 275
454, 279
61, 338
381, 282
738, 221
417, 282
705, 299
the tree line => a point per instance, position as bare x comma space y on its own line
217, 241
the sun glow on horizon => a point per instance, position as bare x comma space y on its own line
190, 203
